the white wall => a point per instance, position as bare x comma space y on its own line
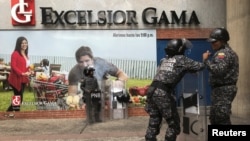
238, 20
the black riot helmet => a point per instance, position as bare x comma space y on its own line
177, 47
219, 34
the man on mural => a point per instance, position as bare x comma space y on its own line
103, 68
161, 101
223, 75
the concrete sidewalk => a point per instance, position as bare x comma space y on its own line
130, 129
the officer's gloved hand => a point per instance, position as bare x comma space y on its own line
149, 94
84, 98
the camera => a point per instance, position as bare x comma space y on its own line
89, 82
89, 71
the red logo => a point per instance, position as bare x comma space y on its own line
16, 100
23, 12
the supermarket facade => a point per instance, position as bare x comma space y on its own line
155, 21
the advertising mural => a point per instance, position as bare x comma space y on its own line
133, 51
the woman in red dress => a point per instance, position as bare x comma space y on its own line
19, 74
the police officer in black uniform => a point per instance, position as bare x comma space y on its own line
91, 95
161, 101
223, 75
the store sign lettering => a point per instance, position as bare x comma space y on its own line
118, 17
164, 20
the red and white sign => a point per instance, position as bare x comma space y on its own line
23, 12
16, 100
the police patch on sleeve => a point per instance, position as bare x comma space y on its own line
221, 55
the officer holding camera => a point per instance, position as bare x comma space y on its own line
102, 68
91, 95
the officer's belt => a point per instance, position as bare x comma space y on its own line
160, 85
222, 85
